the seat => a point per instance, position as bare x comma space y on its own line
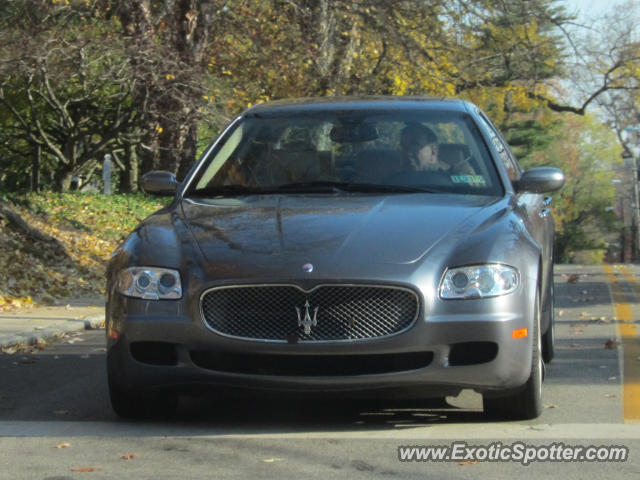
458, 157
296, 160
376, 166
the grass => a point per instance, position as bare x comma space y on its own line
111, 217
90, 226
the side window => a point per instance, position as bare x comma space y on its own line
513, 169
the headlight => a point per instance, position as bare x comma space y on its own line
479, 281
150, 283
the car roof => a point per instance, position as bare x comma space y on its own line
319, 104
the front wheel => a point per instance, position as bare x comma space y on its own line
526, 403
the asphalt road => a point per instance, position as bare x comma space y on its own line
56, 422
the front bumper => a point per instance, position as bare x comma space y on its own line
162, 345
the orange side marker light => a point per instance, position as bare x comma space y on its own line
520, 333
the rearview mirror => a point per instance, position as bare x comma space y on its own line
540, 180
350, 133
160, 182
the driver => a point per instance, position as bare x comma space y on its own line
420, 145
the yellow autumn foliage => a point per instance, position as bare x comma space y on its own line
89, 227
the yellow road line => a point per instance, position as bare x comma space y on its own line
629, 336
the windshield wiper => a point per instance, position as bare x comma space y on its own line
307, 187
230, 190
350, 187
314, 186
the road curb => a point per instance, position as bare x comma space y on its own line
93, 322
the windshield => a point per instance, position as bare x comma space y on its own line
352, 151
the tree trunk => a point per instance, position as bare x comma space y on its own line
62, 180
169, 143
130, 175
35, 168
189, 151
18, 223
181, 42
149, 155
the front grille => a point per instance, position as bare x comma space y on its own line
344, 312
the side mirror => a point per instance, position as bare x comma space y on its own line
160, 182
540, 180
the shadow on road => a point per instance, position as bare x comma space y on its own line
299, 415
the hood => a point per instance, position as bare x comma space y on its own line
381, 228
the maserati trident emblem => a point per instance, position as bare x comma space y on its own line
307, 321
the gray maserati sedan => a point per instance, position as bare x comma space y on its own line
340, 246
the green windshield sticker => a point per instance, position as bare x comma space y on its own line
470, 179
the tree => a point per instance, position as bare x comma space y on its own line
168, 51
62, 95
317, 47
138, 77
602, 64
588, 154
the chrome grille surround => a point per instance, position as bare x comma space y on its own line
346, 312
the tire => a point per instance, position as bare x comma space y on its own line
526, 403
549, 337
132, 406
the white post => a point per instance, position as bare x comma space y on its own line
106, 174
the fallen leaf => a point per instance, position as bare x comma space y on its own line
560, 313
551, 405
63, 445
611, 344
271, 460
573, 278
612, 378
129, 456
609, 395
10, 350
468, 462
85, 469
